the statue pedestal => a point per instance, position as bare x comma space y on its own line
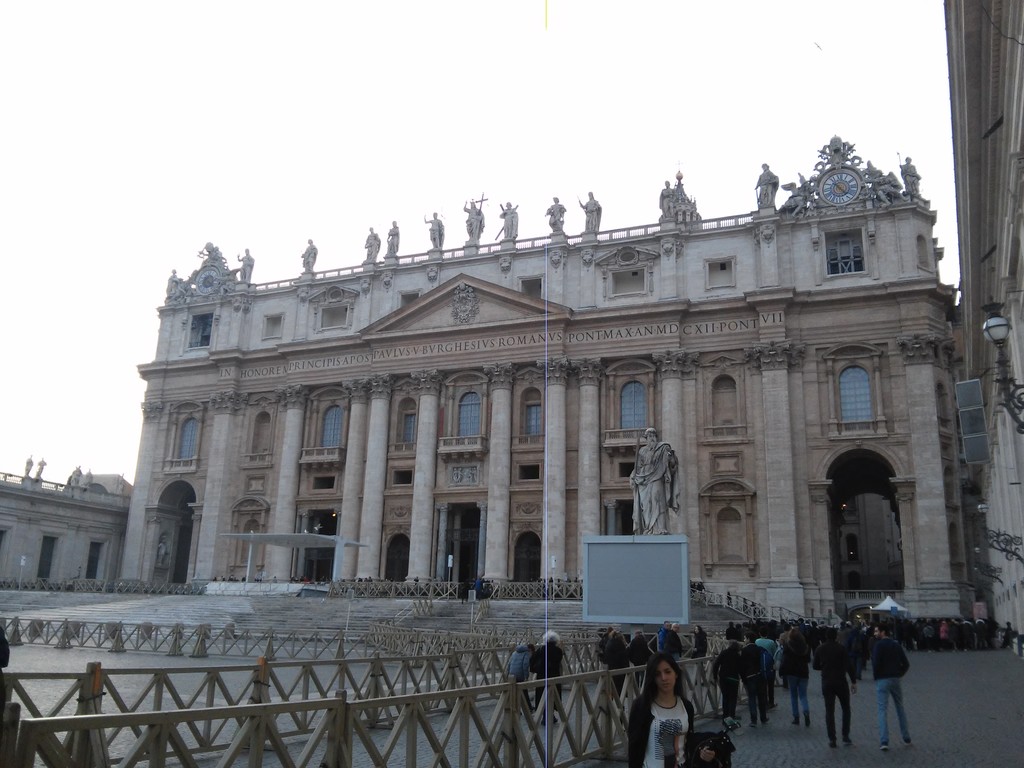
508, 246
470, 249
765, 210
559, 238
589, 238
391, 260
306, 277
434, 254
667, 225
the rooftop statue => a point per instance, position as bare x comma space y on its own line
39, 469
245, 271
911, 179
655, 483
393, 238
767, 187
592, 210
556, 216
666, 201
309, 257
801, 197
372, 246
28, 466
436, 231
474, 221
510, 219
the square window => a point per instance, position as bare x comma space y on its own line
844, 253
401, 477
334, 317
200, 331
323, 482
628, 281
721, 274
532, 286
529, 471
409, 298
273, 326
626, 468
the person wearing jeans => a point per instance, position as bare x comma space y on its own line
889, 663
796, 657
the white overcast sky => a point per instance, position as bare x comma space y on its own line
134, 132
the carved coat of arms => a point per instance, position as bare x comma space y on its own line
465, 304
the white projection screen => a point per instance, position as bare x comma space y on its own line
636, 579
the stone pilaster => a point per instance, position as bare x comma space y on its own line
588, 496
427, 384
352, 480
821, 559
776, 507
556, 371
292, 399
671, 250
217, 518
675, 369
372, 521
146, 469
481, 544
768, 254
930, 551
499, 470
442, 542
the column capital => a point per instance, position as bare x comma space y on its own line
556, 369
611, 504
442, 508
483, 507
291, 396
380, 386
501, 375
775, 355
588, 371
925, 348
228, 401
676, 363
358, 390
151, 410
426, 382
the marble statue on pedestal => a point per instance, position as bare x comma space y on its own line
666, 201
309, 257
510, 217
556, 216
474, 222
39, 469
28, 466
767, 187
655, 483
372, 246
592, 210
245, 271
436, 232
911, 179
393, 238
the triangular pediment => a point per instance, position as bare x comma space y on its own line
626, 256
463, 302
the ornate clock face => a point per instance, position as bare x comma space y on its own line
207, 280
840, 187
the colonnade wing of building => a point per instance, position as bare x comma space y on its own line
477, 412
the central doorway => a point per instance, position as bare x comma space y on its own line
463, 539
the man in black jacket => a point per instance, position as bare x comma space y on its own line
754, 681
889, 663
834, 663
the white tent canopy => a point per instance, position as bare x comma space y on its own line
887, 606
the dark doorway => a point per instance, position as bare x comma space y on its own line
176, 503
526, 566
464, 540
319, 561
864, 532
396, 566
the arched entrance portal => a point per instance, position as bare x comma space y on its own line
170, 542
527, 558
864, 524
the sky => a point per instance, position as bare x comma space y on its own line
135, 132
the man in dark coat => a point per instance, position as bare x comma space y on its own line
638, 652
754, 680
835, 665
616, 658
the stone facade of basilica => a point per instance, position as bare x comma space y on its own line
478, 410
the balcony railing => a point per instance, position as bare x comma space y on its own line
462, 447
528, 441
331, 455
622, 440
181, 465
261, 459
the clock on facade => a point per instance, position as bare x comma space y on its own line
840, 187
208, 280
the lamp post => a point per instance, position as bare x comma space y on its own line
997, 329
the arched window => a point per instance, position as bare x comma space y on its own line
633, 406
331, 435
854, 394
469, 414
723, 402
533, 416
261, 433
187, 441
852, 548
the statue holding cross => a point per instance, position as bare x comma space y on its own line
475, 220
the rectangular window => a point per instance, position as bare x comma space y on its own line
273, 326
409, 298
334, 317
844, 253
720, 274
46, 557
532, 286
529, 471
92, 565
401, 477
201, 331
626, 468
532, 419
323, 482
408, 427
631, 281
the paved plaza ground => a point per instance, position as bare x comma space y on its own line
964, 709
